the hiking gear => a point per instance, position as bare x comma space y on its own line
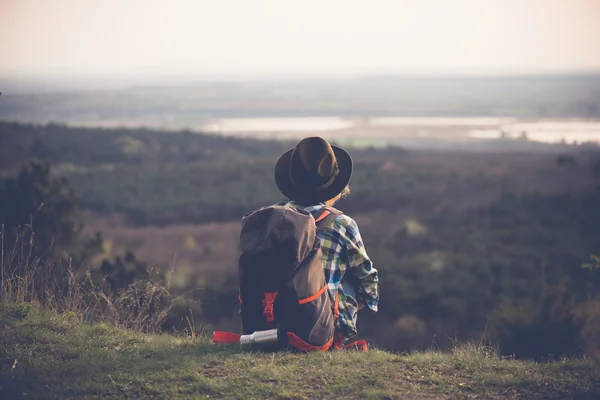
270, 338
340, 344
260, 338
349, 273
220, 337
313, 171
359, 345
282, 284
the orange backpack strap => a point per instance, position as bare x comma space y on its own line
325, 216
299, 344
359, 345
322, 215
314, 296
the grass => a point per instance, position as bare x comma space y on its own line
56, 356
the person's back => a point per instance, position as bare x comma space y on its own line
314, 175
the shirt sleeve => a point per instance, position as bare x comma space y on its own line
360, 266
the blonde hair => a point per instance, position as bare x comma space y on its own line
346, 192
343, 194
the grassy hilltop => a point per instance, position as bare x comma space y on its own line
46, 355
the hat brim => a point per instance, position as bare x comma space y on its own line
313, 196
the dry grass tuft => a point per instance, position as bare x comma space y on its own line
59, 286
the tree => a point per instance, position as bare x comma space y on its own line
37, 208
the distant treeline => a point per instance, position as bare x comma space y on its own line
60, 144
157, 177
550, 96
160, 178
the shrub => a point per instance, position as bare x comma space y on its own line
142, 304
558, 322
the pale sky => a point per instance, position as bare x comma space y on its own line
297, 36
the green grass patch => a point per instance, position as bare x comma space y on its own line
45, 355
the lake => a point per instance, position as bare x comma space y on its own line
390, 128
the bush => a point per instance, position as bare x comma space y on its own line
545, 328
558, 322
34, 199
142, 304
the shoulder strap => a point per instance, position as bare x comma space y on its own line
325, 216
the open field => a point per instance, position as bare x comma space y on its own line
207, 252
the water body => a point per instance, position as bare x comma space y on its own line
302, 124
544, 131
549, 131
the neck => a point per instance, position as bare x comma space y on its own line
330, 203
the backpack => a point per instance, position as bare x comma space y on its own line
282, 282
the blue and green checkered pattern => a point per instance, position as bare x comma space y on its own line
344, 253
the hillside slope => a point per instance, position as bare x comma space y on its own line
45, 355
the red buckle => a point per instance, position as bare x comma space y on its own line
268, 306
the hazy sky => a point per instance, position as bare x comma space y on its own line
297, 36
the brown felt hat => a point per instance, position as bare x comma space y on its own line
314, 171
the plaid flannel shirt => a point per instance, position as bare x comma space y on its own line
344, 253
